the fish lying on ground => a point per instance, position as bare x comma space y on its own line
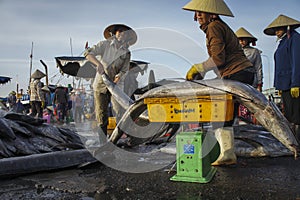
266, 113
249, 141
24, 118
255, 141
17, 128
4, 152
22, 135
6, 130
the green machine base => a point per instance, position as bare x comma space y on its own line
195, 153
199, 179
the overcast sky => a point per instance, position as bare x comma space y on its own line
168, 37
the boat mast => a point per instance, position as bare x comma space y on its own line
30, 69
71, 47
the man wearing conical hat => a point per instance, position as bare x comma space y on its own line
112, 57
226, 58
287, 66
37, 99
253, 54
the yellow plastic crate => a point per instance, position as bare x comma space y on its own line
19, 96
111, 123
213, 108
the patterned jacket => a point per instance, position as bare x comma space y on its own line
36, 93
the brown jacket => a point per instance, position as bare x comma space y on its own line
224, 50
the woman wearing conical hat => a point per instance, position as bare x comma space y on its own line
37, 99
253, 54
112, 57
287, 66
226, 56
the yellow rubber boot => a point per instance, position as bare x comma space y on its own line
225, 138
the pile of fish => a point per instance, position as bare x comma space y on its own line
22, 135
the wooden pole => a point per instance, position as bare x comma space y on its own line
30, 68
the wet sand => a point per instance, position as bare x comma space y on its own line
251, 178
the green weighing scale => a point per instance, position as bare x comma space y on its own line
195, 150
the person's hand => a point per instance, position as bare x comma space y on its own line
279, 92
194, 70
259, 87
43, 104
295, 92
117, 78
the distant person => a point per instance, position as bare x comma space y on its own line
78, 114
226, 58
47, 96
26, 97
61, 102
26, 101
253, 54
287, 67
19, 107
11, 100
37, 99
111, 57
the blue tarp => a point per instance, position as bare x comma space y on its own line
4, 79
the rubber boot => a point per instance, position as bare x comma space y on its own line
102, 135
225, 138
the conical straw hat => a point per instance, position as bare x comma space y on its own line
50, 108
243, 33
210, 6
38, 74
281, 21
110, 31
45, 88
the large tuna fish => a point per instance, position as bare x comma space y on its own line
266, 113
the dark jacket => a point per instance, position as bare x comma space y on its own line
60, 96
287, 62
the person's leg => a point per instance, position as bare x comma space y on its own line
33, 109
64, 111
101, 105
291, 111
225, 138
245, 77
39, 109
117, 110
